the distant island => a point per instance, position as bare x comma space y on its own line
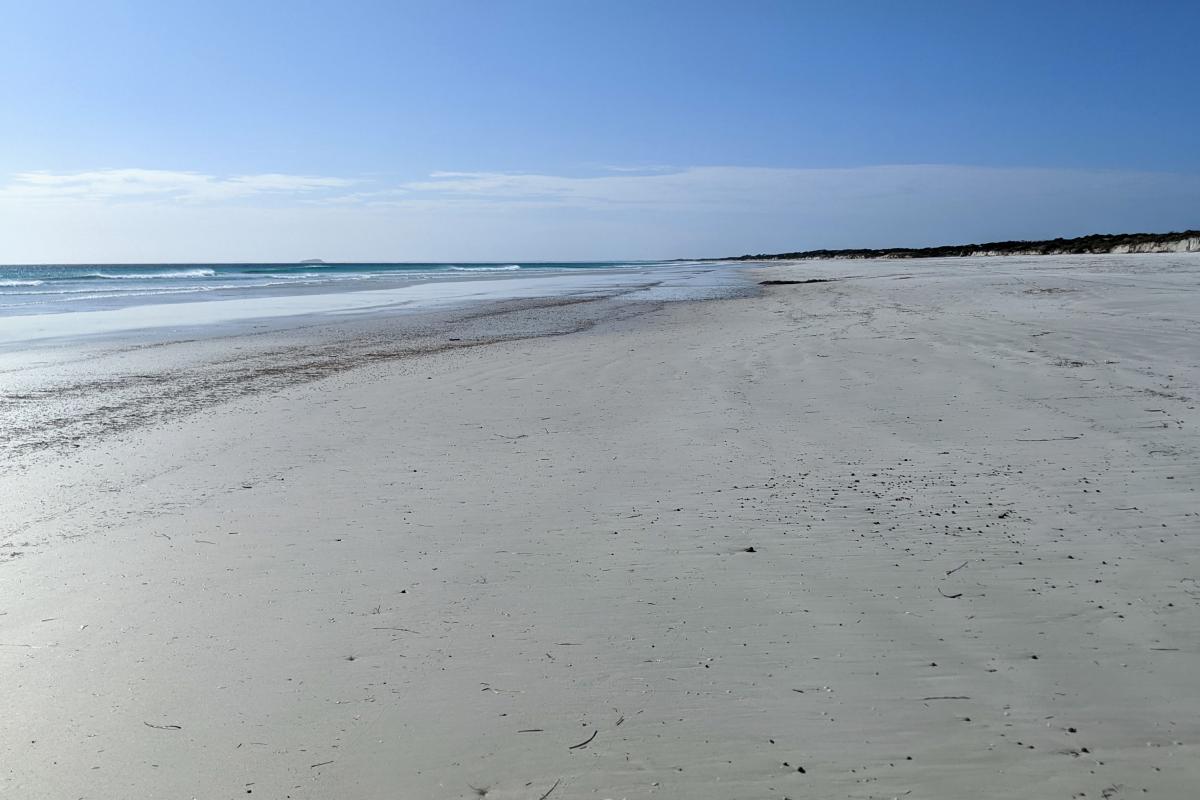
312, 261
1181, 242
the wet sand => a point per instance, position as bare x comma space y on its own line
927, 530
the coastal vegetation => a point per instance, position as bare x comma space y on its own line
1177, 242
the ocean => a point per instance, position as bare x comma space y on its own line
41, 302
53, 288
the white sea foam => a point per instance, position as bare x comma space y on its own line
224, 299
321, 277
26, 328
21, 283
176, 274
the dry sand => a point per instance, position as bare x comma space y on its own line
929, 531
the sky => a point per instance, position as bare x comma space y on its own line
580, 130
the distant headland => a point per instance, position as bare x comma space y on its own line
1181, 242
312, 261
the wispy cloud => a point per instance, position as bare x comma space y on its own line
614, 188
645, 168
159, 185
835, 198
142, 214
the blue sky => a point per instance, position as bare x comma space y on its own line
576, 129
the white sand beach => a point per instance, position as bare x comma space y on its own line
928, 530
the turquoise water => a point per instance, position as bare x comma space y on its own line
51, 288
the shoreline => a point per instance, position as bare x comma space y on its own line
200, 309
61, 392
921, 531
131, 386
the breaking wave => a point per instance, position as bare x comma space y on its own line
175, 274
